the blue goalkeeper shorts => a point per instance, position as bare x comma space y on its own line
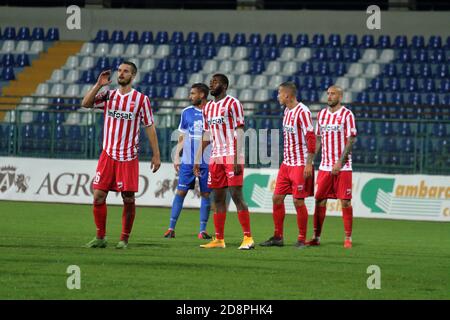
186, 179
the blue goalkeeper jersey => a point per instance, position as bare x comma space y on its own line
191, 125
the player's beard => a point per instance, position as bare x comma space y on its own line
217, 92
332, 103
197, 102
124, 82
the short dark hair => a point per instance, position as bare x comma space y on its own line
133, 66
291, 86
203, 88
223, 78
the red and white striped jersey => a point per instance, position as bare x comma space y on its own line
335, 129
296, 123
123, 116
221, 118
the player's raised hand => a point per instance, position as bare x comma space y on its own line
103, 78
155, 163
196, 170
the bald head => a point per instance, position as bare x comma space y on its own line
335, 94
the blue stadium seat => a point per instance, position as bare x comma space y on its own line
132, 37
351, 41
390, 144
87, 77
116, 62
102, 63
309, 83
24, 34
57, 104
286, 40
444, 86
353, 55
323, 69
438, 56
320, 55
177, 38
380, 98
52, 34
367, 41
151, 92
8, 74
389, 70
306, 68
407, 145
428, 85
43, 138
208, 39
179, 65
224, 39
372, 143
74, 104
318, 40
256, 54
387, 128
266, 124
302, 40
257, 67
397, 98
193, 38
393, 85
400, 42
194, 51
442, 71
407, 70
418, 42
435, 42
339, 69
180, 79
270, 40
166, 79
424, 71
363, 97
238, 40
60, 117
411, 85
146, 37
163, 65
9, 33
195, 65
272, 53
415, 98
376, 84
166, 93
42, 117
337, 55
447, 44
313, 96
75, 136
384, 42
27, 138
264, 109
178, 51
22, 60
439, 130
325, 82
432, 99
250, 123
8, 60
404, 129
102, 36
38, 34
60, 138
117, 36
210, 52
334, 41
370, 128
421, 56
162, 37
254, 40
404, 56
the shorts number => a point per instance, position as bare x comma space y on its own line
97, 177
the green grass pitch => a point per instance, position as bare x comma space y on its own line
39, 241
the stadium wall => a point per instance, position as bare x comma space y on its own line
407, 23
385, 196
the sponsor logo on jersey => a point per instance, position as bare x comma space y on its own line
123, 115
216, 121
289, 129
332, 127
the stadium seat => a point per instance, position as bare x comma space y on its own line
390, 144
270, 40
435, 42
162, 37
8, 74
87, 49
318, 41
225, 67
289, 68
223, 39
437, 56
241, 67
238, 40
407, 70
195, 65
428, 85
286, 40
334, 41
404, 56
273, 67
8, 46
442, 71
421, 56
209, 52
102, 36
337, 54
369, 56
439, 130
325, 83
372, 70
193, 38
407, 145
353, 55
224, 53
52, 34
411, 85
384, 42
323, 69
75, 136
57, 90
146, 38
194, 51
256, 54
102, 49
320, 55
355, 70
239, 53
404, 129
444, 86
8, 60
301, 41
23, 34
117, 50
418, 42
351, 41
400, 42
367, 41
303, 54
132, 37
386, 56
9, 33
23, 46
60, 143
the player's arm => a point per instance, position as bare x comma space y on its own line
239, 149
198, 156
344, 157
153, 138
176, 160
89, 98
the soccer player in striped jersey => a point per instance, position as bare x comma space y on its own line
296, 174
336, 133
191, 128
125, 109
223, 123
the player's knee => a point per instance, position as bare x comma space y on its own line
299, 202
99, 197
204, 195
182, 193
346, 203
321, 203
277, 199
128, 197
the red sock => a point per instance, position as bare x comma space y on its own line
100, 219
219, 223
128, 214
347, 216
244, 219
279, 212
302, 222
319, 218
